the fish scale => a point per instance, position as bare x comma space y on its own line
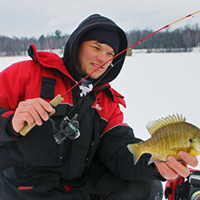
168, 136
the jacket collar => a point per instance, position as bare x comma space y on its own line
48, 60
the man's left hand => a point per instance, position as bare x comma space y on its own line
172, 169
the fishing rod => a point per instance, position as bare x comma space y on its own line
59, 98
164, 27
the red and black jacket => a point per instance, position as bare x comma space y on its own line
100, 118
99, 114
102, 130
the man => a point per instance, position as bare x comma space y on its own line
47, 164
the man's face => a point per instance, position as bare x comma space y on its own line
91, 55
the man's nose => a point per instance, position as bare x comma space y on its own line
102, 57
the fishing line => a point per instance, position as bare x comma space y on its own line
138, 42
70, 128
96, 83
60, 98
164, 27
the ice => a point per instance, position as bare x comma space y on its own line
159, 85
155, 86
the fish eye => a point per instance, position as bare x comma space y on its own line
191, 140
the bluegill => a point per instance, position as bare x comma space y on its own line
168, 136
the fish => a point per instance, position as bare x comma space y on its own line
168, 136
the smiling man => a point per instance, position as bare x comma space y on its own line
92, 55
95, 165
98, 46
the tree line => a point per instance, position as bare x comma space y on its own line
180, 39
18, 46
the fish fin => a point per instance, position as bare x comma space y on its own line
152, 160
135, 150
153, 126
155, 158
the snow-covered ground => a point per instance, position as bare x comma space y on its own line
155, 86
159, 85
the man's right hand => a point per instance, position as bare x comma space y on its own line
30, 111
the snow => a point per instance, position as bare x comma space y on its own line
7, 61
159, 85
155, 86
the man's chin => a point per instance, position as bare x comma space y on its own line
90, 78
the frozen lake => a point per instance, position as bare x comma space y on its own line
155, 86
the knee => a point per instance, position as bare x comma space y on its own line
154, 190
142, 190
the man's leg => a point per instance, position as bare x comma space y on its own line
104, 185
142, 190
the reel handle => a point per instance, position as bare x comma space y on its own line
54, 102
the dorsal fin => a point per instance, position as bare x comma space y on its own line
155, 125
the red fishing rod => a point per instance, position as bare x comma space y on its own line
164, 27
59, 98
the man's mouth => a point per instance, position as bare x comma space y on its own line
95, 65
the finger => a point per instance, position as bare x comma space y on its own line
178, 167
189, 159
166, 171
47, 106
41, 108
28, 119
25, 112
40, 111
160, 167
30, 115
21, 118
31, 111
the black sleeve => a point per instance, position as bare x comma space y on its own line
115, 155
10, 131
7, 133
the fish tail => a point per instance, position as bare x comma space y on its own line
135, 150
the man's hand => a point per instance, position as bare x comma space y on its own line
30, 111
172, 168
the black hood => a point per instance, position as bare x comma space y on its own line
72, 45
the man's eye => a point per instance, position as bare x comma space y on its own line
111, 54
96, 47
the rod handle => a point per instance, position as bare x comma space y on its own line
54, 102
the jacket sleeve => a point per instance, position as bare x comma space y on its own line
11, 92
115, 155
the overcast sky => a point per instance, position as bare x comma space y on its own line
32, 18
